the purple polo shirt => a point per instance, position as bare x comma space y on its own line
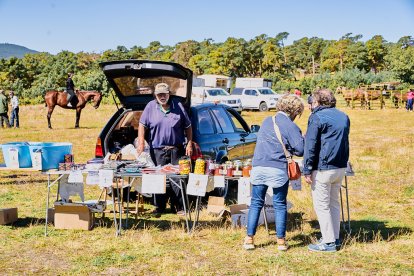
165, 129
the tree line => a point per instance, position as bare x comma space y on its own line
307, 63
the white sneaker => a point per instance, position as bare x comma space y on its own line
248, 243
69, 105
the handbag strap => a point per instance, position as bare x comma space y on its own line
279, 137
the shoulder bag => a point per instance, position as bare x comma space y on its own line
293, 166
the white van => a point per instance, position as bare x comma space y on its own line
201, 95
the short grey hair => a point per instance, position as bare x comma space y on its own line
324, 97
291, 104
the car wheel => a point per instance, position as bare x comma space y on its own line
263, 107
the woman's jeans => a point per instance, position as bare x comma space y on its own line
14, 116
279, 203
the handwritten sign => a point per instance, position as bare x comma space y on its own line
154, 183
296, 184
244, 191
14, 158
75, 177
105, 178
92, 178
197, 184
218, 181
37, 160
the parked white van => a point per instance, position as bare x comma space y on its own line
201, 95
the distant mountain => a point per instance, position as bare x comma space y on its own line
11, 50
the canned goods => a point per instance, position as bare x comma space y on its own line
210, 167
247, 167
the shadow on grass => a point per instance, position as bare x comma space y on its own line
364, 231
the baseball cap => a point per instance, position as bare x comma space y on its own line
162, 88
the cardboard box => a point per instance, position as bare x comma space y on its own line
215, 205
8, 215
239, 213
73, 216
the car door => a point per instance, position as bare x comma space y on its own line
250, 98
247, 138
207, 137
230, 136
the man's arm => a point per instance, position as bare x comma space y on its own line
189, 135
141, 138
312, 147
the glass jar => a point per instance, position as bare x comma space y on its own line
247, 167
210, 166
200, 166
238, 166
229, 168
185, 165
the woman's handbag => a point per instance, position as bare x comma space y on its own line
293, 166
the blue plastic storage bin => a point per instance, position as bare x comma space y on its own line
52, 153
25, 160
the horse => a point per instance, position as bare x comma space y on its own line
351, 95
399, 97
53, 98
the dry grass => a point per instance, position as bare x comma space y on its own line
381, 201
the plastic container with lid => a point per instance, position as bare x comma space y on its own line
200, 166
185, 165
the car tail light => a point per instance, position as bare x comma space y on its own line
196, 152
98, 148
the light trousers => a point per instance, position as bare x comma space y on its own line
326, 186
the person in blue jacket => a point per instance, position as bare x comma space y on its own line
325, 160
269, 166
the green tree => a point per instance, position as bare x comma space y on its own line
376, 52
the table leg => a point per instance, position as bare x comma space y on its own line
47, 203
114, 210
196, 215
127, 209
119, 207
347, 205
185, 202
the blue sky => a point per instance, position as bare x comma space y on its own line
98, 25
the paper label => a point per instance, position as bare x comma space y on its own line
37, 160
105, 178
296, 184
244, 191
92, 178
154, 183
75, 177
14, 158
219, 181
197, 184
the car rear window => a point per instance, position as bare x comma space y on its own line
205, 122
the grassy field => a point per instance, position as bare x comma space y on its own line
381, 200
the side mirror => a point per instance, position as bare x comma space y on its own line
254, 128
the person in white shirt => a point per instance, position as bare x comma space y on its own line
15, 110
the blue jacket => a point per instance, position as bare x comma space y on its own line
326, 140
269, 151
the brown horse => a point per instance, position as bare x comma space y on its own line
399, 98
364, 96
53, 98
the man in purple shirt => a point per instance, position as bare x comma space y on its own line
165, 124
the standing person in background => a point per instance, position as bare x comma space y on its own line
4, 108
298, 92
410, 99
70, 89
15, 110
270, 166
324, 163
